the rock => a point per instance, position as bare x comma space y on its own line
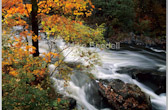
122, 96
72, 103
93, 95
156, 80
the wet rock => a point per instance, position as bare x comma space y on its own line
122, 96
72, 103
154, 79
93, 95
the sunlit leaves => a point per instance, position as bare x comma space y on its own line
48, 56
76, 7
11, 7
17, 59
72, 30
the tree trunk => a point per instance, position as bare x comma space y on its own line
34, 22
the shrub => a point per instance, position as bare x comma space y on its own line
25, 79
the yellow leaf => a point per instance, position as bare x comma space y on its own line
78, 66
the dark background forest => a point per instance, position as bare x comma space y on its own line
140, 22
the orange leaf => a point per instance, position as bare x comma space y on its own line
58, 100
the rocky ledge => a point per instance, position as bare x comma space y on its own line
124, 96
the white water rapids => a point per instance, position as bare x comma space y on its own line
111, 62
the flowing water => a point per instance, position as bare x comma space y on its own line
83, 90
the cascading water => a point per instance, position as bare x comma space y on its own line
83, 90
112, 61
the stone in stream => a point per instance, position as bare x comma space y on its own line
72, 103
158, 80
93, 95
154, 79
124, 96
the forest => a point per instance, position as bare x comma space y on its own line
48, 62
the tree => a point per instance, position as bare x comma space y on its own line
153, 11
34, 21
53, 18
26, 83
119, 13
15, 11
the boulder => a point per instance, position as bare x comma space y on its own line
68, 103
158, 80
72, 103
124, 96
154, 79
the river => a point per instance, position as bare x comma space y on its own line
112, 61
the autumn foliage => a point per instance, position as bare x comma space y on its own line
51, 13
26, 83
